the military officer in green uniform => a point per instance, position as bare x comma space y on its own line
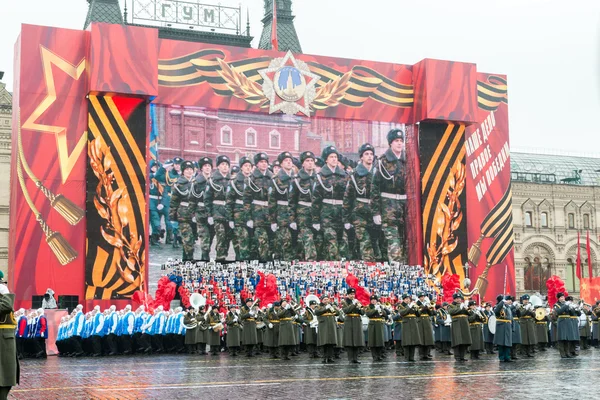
287, 330
182, 208
503, 336
9, 364
198, 198
271, 336
280, 213
411, 335
233, 331
388, 194
327, 337
541, 330
596, 325
461, 335
256, 203
516, 326
237, 212
167, 176
214, 336
248, 318
476, 321
357, 203
189, 320
527, 322
397, 318
377, 316
354, 337
426, 312
301, 204
216, 204
328, 210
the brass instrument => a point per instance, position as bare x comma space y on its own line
218, 327
540, 313
193, 323
482, 317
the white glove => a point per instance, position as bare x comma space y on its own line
231, 225
287, 306
317, 227
251, 313
270, 325
211, 221
293, 226
347, 226
296, 316
274, 227
355, 301
235, 319
194, 219
160, 207
377, 219
250, 224
328, 306
173, 222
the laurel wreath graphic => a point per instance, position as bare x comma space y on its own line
328, 95
113, 206
448, 217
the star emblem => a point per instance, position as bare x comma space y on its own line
289, 85
66, 161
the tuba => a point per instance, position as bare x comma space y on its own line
197, 301
193, 323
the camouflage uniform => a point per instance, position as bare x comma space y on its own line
198, 195
280, 213
256, 203
167, 179
388, 197
216, 193
357, 205
301, 205
182, 210
155, 199
329, 212
239, 216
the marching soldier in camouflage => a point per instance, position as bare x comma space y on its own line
167, 176
256, 203
357, 202
198, 196
239, 216
280, 212
388, 194
155, 200
301, 204
328, 210
461, 333
182, 208
218, 213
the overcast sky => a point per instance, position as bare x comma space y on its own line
548, 49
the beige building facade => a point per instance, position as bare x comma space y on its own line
555, 197
5, 145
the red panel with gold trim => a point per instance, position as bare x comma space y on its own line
47, 227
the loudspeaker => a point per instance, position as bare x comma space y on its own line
36, 301
68, 302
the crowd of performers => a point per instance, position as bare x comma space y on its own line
307, 208
325, 320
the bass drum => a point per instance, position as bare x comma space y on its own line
492, 324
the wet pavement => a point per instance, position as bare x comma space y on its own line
225, 377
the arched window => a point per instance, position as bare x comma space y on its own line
586, 221
226, 135
274, 140
571, 220
528, 219
250, 137
544, 219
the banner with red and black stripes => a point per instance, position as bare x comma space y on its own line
116, 197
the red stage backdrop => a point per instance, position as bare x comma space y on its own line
55, 69
489, 196
47, 229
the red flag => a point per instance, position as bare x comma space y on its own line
578, 265
589, 256
274, 40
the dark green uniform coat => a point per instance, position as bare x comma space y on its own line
376, 328
214, 337
425, 326
461, 334
476, 328
271, 335
233, 330
202, 331
528, 336
565, 327
541, 330
190, 334
287, 330
353, 331
9, 364
327, 325
411, 336
503, 335
249, 322
310, 334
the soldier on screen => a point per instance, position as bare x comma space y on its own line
183, 208
167, 176
301, 204
280, 212
218, 215
237, 213
201, 215
256, 203
388, 195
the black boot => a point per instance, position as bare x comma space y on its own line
153, 240
169, 238
176, 242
